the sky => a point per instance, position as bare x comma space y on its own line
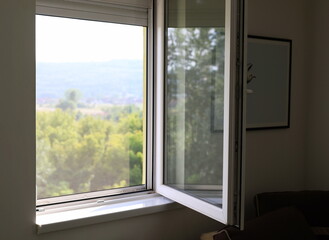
71, 40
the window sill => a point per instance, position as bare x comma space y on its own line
62, 219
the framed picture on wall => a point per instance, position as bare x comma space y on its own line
268, 82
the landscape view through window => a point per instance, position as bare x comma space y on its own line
90, 81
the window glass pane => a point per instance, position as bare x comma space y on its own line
90, 103
195, 98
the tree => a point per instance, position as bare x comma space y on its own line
89, 153
70, 101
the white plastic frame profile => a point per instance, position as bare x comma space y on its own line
226, 213
73, 9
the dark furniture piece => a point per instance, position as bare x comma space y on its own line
313, 204
283, 224
285, 215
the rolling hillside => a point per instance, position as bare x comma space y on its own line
114, 82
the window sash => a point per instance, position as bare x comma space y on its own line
79, 10
104, 194
228, 214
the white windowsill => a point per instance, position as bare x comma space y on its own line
109, 211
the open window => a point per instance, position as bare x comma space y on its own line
107, 126
200, 106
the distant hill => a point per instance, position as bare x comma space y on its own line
116, 82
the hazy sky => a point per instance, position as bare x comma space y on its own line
71, 40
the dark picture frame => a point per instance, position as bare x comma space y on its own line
268, 83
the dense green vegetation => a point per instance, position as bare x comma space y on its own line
81, 152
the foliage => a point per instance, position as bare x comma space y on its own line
70, 101
77, 152
195, 83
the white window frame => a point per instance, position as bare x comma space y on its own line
226, 214
233, 138
105, 11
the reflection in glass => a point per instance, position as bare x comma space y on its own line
194, 98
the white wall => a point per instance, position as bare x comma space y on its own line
295, 158
275, 159
17, 119
317, 70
